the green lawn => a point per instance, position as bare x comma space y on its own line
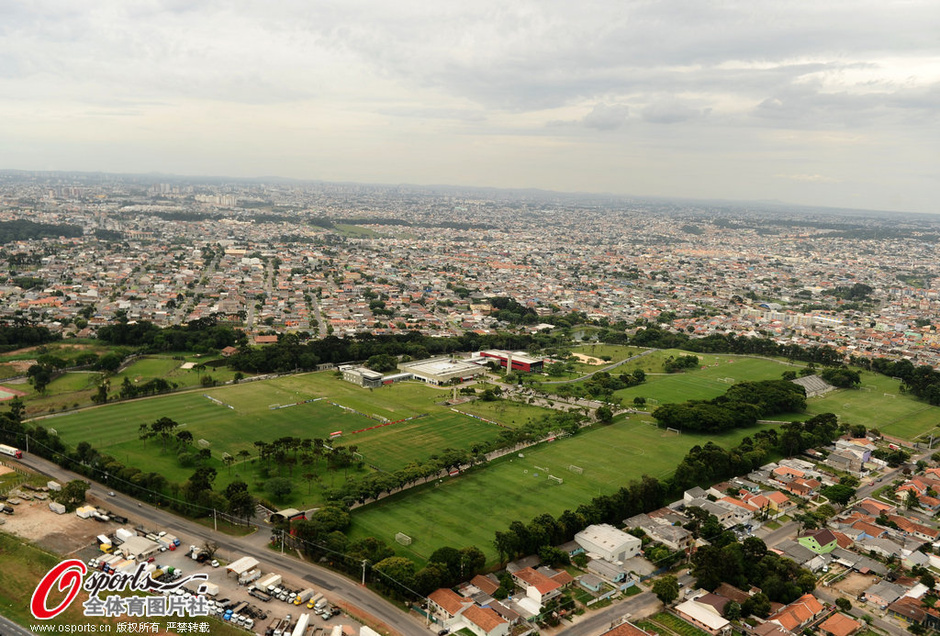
703, 383
677, 625
902, 415
505, 412
114, 428
469, 509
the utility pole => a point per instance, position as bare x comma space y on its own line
215, 521
365, 562
283, 539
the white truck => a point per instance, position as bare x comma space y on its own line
249, 576
268, 582
12, 452
301, 625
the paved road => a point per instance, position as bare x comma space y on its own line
883, 624
9, 628
349, 595
592, 623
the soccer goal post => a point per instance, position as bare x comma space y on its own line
403, 538
558, 480
575, 469
673, 430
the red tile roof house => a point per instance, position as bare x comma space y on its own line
799, 613
483, 621
485, 584
537, 586
840, 625
448, 604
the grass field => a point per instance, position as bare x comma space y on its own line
114, 428
616, 353
508, 413
470, 508
77, 387
701, 384
902, 415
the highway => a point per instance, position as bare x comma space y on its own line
9, 628
349, 595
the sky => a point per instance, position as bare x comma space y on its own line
825, 102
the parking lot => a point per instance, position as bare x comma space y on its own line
243, 605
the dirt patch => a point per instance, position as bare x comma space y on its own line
854, 584
5, 469
62, 534
588, 359
20, 366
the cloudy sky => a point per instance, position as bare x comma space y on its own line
825, 102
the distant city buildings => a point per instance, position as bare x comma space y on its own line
342, 259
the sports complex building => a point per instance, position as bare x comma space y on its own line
515, 360
442, 370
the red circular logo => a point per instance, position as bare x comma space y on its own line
67, 577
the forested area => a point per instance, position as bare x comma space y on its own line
741, 406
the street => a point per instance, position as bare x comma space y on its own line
349, 595
592, 623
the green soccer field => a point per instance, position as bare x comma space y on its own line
879, 403
711, 379
468, 509
114, 428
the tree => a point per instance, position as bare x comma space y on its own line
666, 589
844, 604
209, 548
758, 605
72, 494
604, 414
40, 376
838, 493
396, 574
928, 580
278, 487
472, 561
639, 401
732, 611
241, 504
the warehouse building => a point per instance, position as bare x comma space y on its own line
608, 543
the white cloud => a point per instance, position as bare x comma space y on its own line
352, 77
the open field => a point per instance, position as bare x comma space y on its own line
902, 415
582, 367
114, 428
77, 387
505, 412
470, 508
703, 383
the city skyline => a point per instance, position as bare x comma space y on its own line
832, 106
